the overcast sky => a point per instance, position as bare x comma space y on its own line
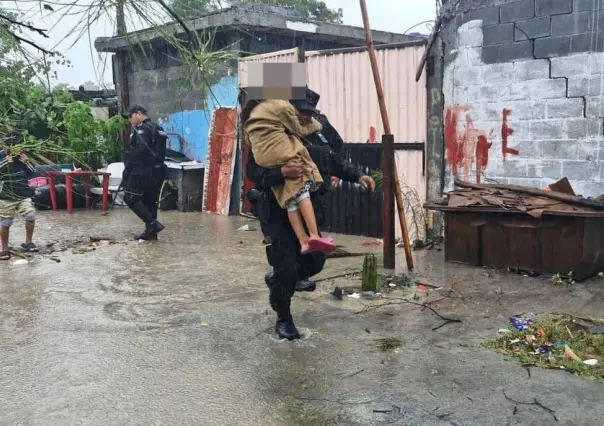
87, 65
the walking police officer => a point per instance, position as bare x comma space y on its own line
283, 249
145, 170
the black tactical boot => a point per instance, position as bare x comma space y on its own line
286, 329
306, 285
151, 232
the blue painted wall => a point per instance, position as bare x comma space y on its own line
189, 130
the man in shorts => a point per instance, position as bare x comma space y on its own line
15, 199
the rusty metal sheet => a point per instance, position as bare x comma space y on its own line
220, 161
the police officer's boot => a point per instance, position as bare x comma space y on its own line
284, 326
151, 231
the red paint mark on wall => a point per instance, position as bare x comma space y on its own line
506, 131
482, 155
372, 135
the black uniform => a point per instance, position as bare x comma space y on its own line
144, 174
283, 248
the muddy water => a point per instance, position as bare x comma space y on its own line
178, 333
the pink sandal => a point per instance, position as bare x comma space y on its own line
323, 245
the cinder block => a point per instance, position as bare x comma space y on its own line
517, 11
514, 51
531, 183
498, 34
488, 15
572, 23
467, 76
588, 150
594, 106
571, 66
581, 170
585, 86
581, 5
587, 42
562, 149
469, 36
548, 169
544, 89
547, 129
529, 149
565, 108
533, 28
584, 128
553, 7
588, 189
552, 46
529, 69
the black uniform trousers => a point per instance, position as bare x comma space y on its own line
283, 253
142, 191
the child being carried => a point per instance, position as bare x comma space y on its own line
275, 134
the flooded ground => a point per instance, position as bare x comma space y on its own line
179, 332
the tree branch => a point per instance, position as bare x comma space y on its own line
24, 25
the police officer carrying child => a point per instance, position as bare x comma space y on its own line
283, 249
145, 170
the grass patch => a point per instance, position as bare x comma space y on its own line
388, 344
307, 415
545, 344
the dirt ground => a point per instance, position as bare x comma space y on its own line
180, 332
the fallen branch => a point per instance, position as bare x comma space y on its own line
424, 305
535, 402
346, 274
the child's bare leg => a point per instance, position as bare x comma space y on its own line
308, 213
295, 219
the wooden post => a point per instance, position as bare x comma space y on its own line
386, 123
122, 72
388, 209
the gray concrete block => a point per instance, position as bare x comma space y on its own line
588, 150
515, 51
594, 106
517, 11
565, 108
530, 183
587, 42
533, 28
467, 76
547, 129
572, 23
581, 170
552, 46
488, 15
490, 54
561, 149
588, 189
584, 128
529, 149
498, 34
571, 66
547, 169
470, 36
581, 5
553, 7
585, 86
511, 167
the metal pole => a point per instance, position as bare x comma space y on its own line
386, 123
388, 209
122, 72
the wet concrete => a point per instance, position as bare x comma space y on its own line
179, 332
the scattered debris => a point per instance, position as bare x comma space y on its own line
336, 294
395, 410
596, 330
21, 262
562, 279
391, 285
556, 342
246, 228
98, 239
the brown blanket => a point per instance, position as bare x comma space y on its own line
274, 133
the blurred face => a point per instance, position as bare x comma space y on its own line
136, 118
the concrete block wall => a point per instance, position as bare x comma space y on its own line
523, 87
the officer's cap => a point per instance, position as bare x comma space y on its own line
133, 110
309, 104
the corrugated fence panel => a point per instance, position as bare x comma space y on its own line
282, 56
348, 97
